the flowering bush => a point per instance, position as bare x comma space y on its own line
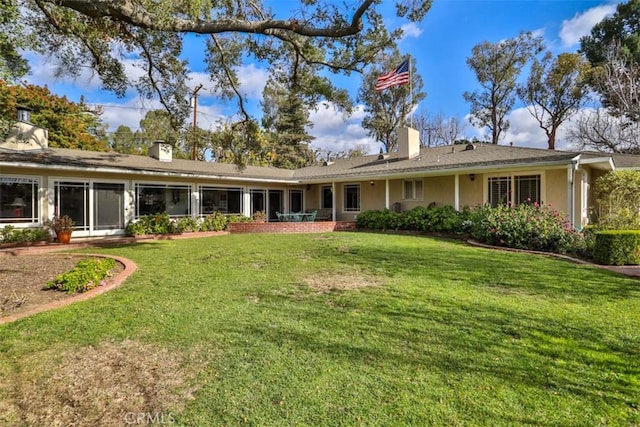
525, 226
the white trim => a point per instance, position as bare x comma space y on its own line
344, 197
38, 221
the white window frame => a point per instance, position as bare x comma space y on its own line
181, 185
36, 220
129, 199
202, 187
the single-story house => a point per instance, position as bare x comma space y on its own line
103, 191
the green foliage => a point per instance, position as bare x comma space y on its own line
164, 224
439, 220
69, 124
216, 221
622, 27
618, 196
497, 67
87, 274
555, 89
11, 234
617, 247
238, 218
160, 223
103, 36
526, 226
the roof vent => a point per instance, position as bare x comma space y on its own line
469, 147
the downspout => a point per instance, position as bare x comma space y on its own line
571, 171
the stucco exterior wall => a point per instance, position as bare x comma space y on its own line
439, 189
555, 189
471, 191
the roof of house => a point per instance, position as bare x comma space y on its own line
436, 160
441, 159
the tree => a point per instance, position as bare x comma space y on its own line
555, 90
497, 66
125, 141
612, 47
286, 115
157, 126
105, 35
436, 129
388, 109
70, 124
615, 127
623, 28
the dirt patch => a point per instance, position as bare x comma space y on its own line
22, 278
329, 282
112, 384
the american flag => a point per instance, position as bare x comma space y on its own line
399, 76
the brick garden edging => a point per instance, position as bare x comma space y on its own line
113, 282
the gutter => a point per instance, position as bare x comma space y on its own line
147, 173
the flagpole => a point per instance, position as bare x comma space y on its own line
410, 94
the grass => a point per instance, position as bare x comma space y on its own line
333, 329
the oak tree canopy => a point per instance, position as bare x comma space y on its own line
108, 36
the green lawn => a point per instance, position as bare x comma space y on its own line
333, 329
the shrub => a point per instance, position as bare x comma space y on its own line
618, 197
378, 220
526, 226
86, 275
216, 221
187, 224
10, 234
238, 218
617, 247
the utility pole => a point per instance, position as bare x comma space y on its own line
194, 100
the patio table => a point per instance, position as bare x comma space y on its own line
296, 216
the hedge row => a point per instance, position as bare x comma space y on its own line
617, 247
526, 226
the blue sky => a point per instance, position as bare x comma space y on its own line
440, 45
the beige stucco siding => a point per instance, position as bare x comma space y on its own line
439, 189
555, 189
471, 191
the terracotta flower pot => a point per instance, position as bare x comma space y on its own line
63, 236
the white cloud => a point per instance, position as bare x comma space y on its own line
411, 30
334, 131
524, 131
580, 25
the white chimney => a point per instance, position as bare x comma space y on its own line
161, 151
408, 143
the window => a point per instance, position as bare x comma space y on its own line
516, 189
352, 198
157, 198
19, 200
225, 200
72, 198
108, 206
412, 190
295, 201
327, 197
528, 189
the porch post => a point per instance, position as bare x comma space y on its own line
456, 193
571, 197
387, 205
333, 201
